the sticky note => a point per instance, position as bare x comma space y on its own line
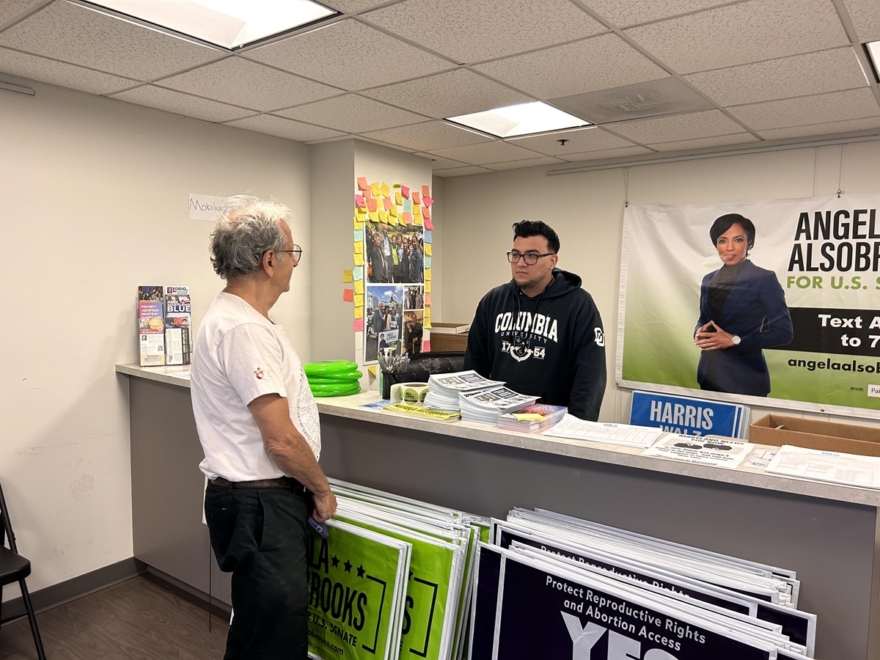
371, 204
359, 235
428, 223
358, 260
427, 274
426, 346
362, 183
359, 287
427, 287
427, 318
347, 276
386, 202
427, 201
358, 273
386, 189
392, 219
376, 189
359, 201
398, 199
358, 248
393, 212
407, 205
407, 218
404, 191
417, 210
427, 262
418, 219
428, 299
427, 237
361, 214
358, 325
383, 217
427, 212
348, 295
372, 370
359, 300
374, 216
358, 222
428, 250
416, 197
358, 312
426, 190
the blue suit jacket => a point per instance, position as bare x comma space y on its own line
756, 311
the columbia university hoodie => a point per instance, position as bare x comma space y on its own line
552, 345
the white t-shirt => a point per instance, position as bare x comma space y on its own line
240, 355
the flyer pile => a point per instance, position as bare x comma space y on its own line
553, 586
333, 378
479, 399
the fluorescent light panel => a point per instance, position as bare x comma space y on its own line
874, 51
519, 120
227, 23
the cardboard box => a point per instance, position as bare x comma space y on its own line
781, 430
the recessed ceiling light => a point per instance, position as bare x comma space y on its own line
227, 23
873, 49
518, 120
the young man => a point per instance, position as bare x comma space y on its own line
541, 333
258, 426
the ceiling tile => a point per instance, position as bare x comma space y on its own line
350, 55
491, 152
247, 84
830, 128
667, 96
801, 75
476, 30
527, 162
74, 34
438, 163
584, 139
865, 15
11, 10
59, 73
836, 106
449, 94
678, 127
427, 137
286, 128
606, 153
352, 114
704, 143
182, 104
623, 14
572, 69
353, 6
742, 33
461, 171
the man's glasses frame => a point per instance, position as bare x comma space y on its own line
296, 253
530, 258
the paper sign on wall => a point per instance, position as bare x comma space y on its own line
204, 207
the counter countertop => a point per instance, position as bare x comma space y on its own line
350, 407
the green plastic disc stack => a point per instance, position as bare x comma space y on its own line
333, 377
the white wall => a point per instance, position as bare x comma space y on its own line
95, 203
586, 209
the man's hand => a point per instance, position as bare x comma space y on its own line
325, 506
710, 340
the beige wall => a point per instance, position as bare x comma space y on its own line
586, 209
95, 203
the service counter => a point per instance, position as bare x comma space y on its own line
827, 533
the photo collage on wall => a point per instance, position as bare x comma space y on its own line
392, 274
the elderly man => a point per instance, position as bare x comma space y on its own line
258, 426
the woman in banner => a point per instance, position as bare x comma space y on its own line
742, 311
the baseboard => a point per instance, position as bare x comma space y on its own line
191, 594
83, 585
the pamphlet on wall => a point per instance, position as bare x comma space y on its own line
151, 326
178, 325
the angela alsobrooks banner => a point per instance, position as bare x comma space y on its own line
776, 299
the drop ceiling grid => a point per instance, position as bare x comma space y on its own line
35, 67
819, 109
694, 125
865, 15
704, 143
351, 55
11, 10
470, 31
353, 114
427, 137
585, 139
487, 152
831, 128
286, 128
71, 33
182, 104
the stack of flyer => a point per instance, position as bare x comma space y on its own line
554, 586
443, 389
488, 405
164, 325
151, 326
532, 419
392, 579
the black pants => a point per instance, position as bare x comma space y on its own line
260, 536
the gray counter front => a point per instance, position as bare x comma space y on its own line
827, 533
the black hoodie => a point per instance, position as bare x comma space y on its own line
552, 345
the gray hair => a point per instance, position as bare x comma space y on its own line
247, 229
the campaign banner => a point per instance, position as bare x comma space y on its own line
355, 588
545, 613
769, 303
686, 415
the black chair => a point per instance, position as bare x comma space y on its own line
15, 568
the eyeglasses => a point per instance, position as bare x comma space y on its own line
531, 258
295, 253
